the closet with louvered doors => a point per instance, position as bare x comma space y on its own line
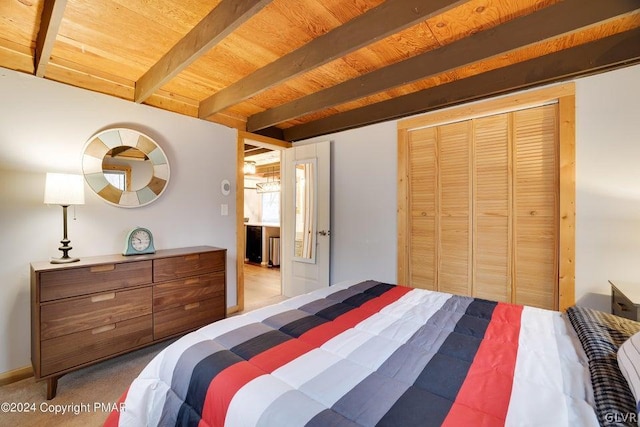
482, 214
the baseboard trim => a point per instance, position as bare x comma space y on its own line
15, 375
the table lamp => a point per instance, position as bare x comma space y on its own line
64, 190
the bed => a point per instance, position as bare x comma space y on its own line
371, 353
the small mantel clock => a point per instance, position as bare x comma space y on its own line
139, 241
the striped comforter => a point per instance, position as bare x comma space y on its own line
369, 354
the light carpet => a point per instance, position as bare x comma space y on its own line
85, 395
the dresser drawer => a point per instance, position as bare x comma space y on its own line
95, 279
187, 317
71, 350
621, 306
69, 316
188, 265
181, 292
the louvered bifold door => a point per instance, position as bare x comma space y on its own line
536, 193
454, 208
492, 207
422, 224
483, 197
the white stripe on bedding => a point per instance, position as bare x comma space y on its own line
261, 392
544, 373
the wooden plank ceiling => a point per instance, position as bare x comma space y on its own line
293, 69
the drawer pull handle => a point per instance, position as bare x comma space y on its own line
101, 268
622, 306
192, 257
191, 281
191, 306
103, 297
102, 329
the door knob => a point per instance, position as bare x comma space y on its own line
324, 232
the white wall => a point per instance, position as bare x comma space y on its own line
43, 127
607, 184
363, 203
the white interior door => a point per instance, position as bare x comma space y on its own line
305, 234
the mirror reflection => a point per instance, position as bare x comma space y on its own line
125, 167
305, 214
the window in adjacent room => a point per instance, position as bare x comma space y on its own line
271, 207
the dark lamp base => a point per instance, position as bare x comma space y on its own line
65, 248
63, 260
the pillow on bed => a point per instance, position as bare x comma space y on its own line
629, 362
601, 335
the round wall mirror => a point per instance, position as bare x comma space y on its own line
125, 167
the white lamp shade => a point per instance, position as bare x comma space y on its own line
64, 189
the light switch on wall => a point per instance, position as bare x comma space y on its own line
224, 209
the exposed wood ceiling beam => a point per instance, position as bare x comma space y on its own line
52, 12
255, 150
269, 169
218, 24
388, 18
608, 53
552, 21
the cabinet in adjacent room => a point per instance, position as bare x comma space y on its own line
254, 243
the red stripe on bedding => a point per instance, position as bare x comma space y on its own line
486, 391
237, 376
323, 333
222, 389
114, 416
280, 355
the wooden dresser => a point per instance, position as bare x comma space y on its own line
101, 307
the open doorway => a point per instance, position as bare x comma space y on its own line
261, 217
259, 281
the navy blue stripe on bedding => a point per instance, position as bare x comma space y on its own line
353, 299
359, 299
257, 345
334, 311
379, 289
300, 326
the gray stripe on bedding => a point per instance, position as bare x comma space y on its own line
343, 294
458, 304
372, 398
364, 286
187, 362
406, 363
368, 401
433, 333
330, 418
318, 305
243, 334
279, 413
284, 318
181, 378
409, 360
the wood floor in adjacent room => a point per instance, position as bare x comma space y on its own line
261, 287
